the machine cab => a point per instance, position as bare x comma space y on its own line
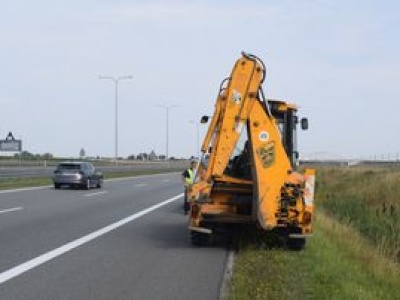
286, 115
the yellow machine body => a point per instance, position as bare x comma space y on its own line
261, 184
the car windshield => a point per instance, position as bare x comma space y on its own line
69, 167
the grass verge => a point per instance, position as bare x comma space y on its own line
14, 183
338, 263
367, 199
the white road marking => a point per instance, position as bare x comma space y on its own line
37, 261
10, 209
140, 184
25, 189
95, 194
166, 180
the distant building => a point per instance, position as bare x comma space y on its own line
153, 155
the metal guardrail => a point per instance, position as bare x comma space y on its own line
8, 172
47, 171
351, 162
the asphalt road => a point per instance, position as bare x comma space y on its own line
126, 241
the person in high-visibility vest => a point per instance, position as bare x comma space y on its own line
188, 177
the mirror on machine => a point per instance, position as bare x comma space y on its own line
304, 123
204, 119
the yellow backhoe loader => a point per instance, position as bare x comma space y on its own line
248, 169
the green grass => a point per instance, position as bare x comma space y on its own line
14, 183
354, 253
338, 263
366, 199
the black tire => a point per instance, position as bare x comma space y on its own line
200, 239
87, 184
296, 244
57, 186
99, 183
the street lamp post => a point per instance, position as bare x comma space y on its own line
197, 138
116, 81
167, 108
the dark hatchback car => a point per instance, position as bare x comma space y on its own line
77, 174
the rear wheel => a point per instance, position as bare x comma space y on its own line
57, 186
87, 184
200, 239
99, 183
296, 244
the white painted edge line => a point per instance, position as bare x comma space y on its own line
95, 194
227, 277
141, 184
11, 209
25, 189
37, 261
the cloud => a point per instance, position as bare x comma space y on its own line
6, 102
336, 59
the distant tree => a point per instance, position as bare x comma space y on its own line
26, 155
48, 156
162, 157
132, 156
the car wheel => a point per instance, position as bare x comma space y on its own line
87, 184
99, 183
57, 186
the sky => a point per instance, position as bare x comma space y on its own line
339, 61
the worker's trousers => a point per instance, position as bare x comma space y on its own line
185, 201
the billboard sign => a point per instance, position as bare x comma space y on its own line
10, 144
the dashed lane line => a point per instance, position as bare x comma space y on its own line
11, 209
140, 184
96, 194
37, 261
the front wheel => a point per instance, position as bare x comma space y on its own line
87, 184
200, 239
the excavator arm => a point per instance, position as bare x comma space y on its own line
233, 107
274, 195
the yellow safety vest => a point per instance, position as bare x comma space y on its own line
189, 180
